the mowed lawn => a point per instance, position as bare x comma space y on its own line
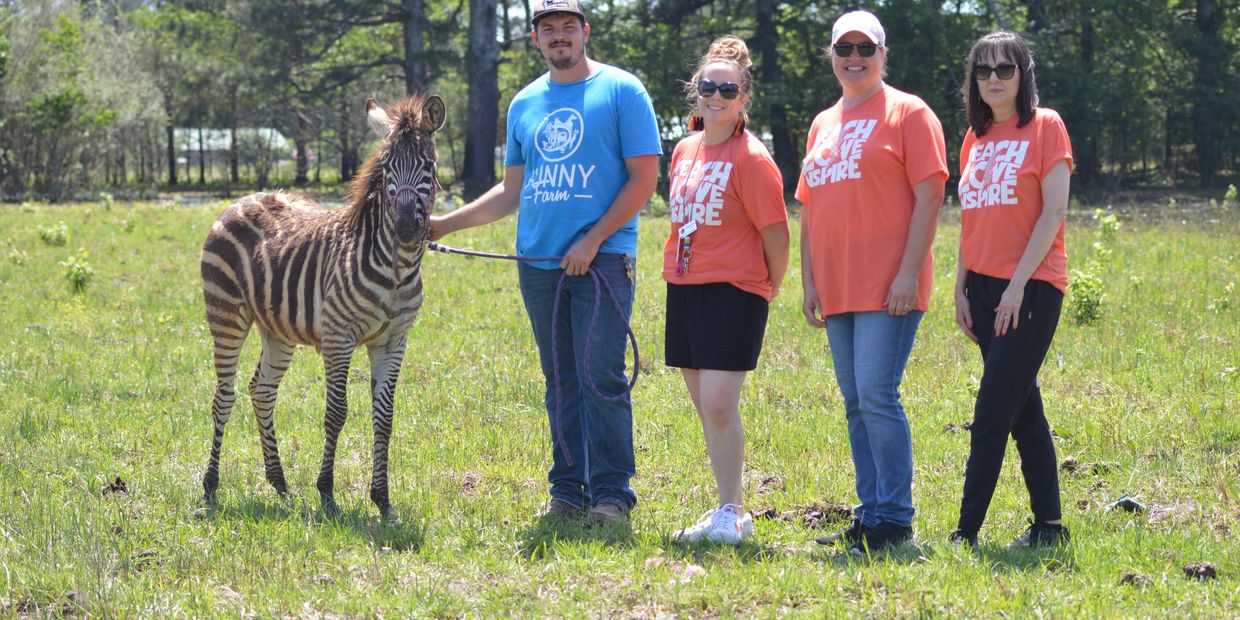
116, 381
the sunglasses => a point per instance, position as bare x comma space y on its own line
983, 72
844, 50
727, 90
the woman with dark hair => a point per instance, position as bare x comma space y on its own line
872, 184
1011, 277
724, 261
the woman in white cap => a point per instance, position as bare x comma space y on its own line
872, 184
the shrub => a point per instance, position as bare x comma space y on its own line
106, 201
57, 235
1230, 197
78, 271
17, 256
656, 206
1108, 223
1085, 297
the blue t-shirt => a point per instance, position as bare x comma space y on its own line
573, 139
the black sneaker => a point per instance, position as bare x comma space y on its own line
880, 537
1041, 535
961, 537
849, 536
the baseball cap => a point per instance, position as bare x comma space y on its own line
854, 21
546, 7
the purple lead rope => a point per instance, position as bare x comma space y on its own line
599, 284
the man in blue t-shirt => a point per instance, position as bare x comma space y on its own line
582, 159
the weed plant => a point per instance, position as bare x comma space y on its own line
105, 428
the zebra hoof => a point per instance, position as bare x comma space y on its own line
330, 509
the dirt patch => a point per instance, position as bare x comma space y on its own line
1070, 466
28, 606
144, 560
768, 483
1201, 571
1135, 579
952, 427
470, 481
116, 486
814, 516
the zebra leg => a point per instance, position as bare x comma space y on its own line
385, 363
336, 358
228, 331
275, 360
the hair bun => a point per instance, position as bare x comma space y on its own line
732, 48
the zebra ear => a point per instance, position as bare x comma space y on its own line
377, 118
433, 114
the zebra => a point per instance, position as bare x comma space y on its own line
332, 279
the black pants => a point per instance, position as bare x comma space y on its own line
1009, 402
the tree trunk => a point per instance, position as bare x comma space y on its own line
234, 175
1087, 161
1206, 98
202, 158
766, 43
482, 126
172, 155
413, 14
302, 139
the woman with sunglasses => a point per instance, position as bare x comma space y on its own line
1011, 276
724, 261
872, 184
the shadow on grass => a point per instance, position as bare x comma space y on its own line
705, 551
1049, 559
907, 554
546, 533
399, 533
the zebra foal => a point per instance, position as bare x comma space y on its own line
335, 280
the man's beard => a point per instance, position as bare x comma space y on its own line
561, 63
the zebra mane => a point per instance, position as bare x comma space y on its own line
366, 190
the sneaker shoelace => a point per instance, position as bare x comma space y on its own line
727, 516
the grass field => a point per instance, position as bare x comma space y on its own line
116, 381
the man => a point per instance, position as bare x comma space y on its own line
581, 161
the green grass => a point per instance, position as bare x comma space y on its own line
116, 381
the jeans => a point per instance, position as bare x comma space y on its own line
1009, 401
592, 457
869, 350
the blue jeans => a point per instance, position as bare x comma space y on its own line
870, 350
597, 433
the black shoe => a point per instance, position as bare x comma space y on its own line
1041, 535
961, 537
882, 536
849, 536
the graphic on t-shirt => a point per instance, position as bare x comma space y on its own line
990, 178
559, 134
697, 191
557, 138
836, 155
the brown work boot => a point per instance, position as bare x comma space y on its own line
560, 509
608, 513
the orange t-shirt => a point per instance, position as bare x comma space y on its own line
857, 187
732, 190
1001, 195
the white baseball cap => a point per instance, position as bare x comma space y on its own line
859, 21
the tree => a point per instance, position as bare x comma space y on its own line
482, 124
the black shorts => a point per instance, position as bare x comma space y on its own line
713, 327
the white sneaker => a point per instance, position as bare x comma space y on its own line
729, 526
698, 530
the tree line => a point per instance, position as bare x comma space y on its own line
128, 95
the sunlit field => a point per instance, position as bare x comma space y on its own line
106, 381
